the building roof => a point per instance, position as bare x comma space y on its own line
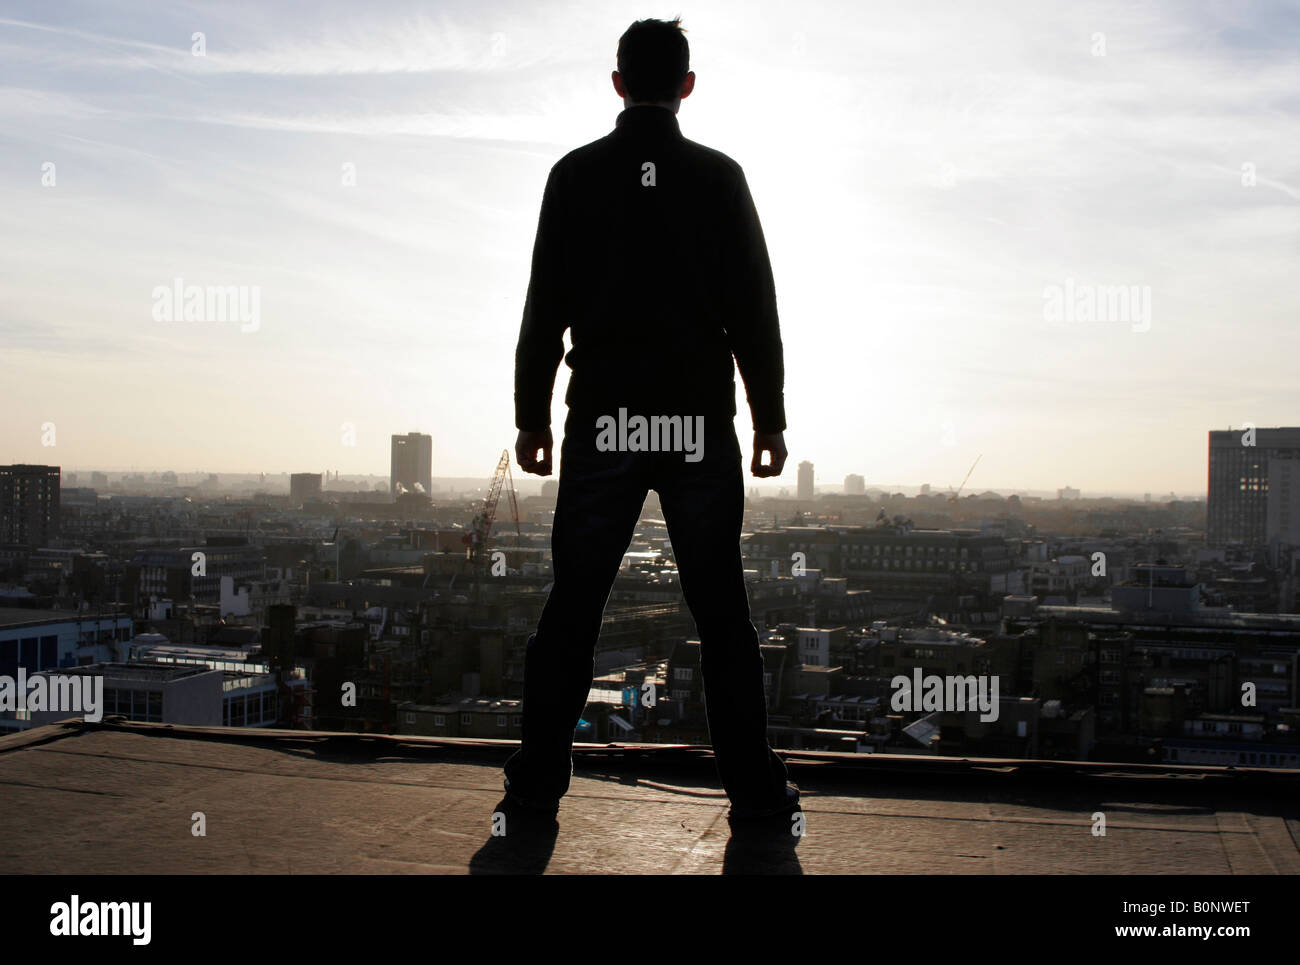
12, 616
178, 652
309, 802
1201, 620
137, 671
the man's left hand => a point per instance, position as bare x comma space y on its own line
773, 442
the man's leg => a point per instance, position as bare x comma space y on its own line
703, 505
596, 512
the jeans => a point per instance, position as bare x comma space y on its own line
597, 509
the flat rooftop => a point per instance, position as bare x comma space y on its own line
13, 616
112, 672
117, 798
1202, 620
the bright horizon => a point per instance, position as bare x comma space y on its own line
994, 158
527, 483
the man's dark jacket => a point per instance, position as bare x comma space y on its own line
649, 249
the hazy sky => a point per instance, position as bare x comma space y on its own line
932, 178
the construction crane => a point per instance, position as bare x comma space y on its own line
476, 539
953, 497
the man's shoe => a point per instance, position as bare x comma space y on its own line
767, 814
519, 818
545, 808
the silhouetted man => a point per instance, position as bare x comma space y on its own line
649, 250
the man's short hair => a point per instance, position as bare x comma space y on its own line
654, 58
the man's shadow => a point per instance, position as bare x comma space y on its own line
769, 853
517, 855
528, 851
518, 845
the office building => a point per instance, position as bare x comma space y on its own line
854, 485
304, 487
1282, 513
412, 464
189, 695
805, 480
1238, 494
29, 504
50, 639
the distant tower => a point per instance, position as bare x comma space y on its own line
29, 504
1240, 483
304, 487
854, 485
412, 464
805, 481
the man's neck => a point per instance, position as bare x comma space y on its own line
668, 107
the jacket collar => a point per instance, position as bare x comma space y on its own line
647, 118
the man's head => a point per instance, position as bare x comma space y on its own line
654, 64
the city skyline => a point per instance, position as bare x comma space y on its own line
1216, 439
764, 488
371, 189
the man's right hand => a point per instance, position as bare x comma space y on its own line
526, 448
773, 442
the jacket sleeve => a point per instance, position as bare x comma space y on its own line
541, 335
753, 329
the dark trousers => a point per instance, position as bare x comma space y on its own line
597, 509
